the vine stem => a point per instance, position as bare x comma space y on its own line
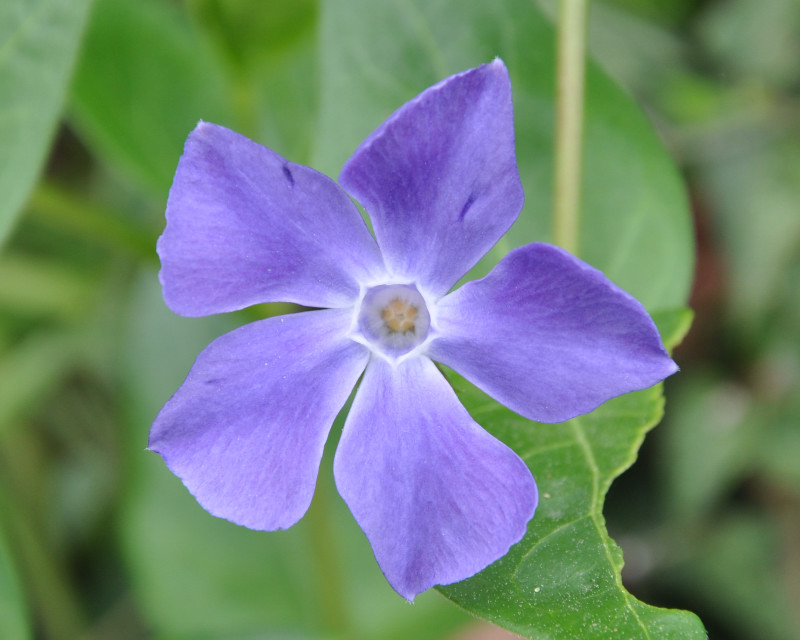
331, 602
571, 56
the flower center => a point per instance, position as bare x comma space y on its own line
400, 316
394, 318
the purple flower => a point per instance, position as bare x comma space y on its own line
545, 334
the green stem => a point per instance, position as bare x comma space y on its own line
569, 123
64, 209
331, 597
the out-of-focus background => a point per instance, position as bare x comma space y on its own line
98, 541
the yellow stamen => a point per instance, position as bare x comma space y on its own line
399, 316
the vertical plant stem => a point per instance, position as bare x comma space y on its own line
332, 605
569, 123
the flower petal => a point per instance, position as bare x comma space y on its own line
439, 178
246, 430
549, 336
437, 496
246, 226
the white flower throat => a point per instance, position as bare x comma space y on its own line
394, 318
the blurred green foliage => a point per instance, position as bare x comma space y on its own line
38, 39
98, 540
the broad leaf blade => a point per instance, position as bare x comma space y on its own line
149, 73
635, 222
143, 82
563, 579
38, 41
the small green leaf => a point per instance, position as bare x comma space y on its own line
38, 41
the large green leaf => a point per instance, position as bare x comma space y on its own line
636, 226
150, 72
563, 579
271, 55
143, 82
38, 41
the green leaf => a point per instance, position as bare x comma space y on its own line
13, 614
149, 73
272, 63
673, 325
38, 41
635, 222
563, 579
143, 82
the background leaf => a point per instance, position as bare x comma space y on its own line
636, 227
735, 571
271, 59
149, 72
38, 41
142, 83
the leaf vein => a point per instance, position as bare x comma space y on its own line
596, 515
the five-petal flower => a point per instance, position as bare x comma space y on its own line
438, 497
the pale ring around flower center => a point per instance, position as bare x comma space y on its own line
394, 318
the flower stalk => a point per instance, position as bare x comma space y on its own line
569, 123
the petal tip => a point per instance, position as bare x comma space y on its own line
498, 65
